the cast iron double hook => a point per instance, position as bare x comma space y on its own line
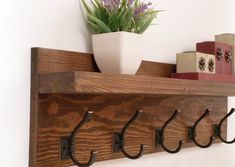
119, 139
192, 131
160, 135
218, 130
68, 144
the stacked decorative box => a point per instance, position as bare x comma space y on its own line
195, 62
222, 53
230, 40
212, 61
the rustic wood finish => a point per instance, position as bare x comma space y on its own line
59, 101
87, 82
154, 69
59, 115
33, 110
51, 60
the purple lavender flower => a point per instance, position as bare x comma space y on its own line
111, 4
130, 2
142, 8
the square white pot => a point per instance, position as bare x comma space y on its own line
118, 52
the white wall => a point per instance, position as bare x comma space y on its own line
59, 24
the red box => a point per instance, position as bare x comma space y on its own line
223, 55
205, 77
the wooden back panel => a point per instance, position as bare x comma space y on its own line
156, 69
52, 61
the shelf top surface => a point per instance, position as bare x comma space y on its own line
97, 83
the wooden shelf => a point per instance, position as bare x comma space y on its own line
97, 83
59, 77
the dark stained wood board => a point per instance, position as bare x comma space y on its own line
54, 61
156, 69
97, 83
51, 60
59, 115
55, 115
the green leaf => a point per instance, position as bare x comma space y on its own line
88, 9
94, 28
126, 20
99, 4
114, 22
103, 27
137, 3
123, 3
147, 23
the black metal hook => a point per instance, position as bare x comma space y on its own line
192, 131
160, 135
218, 128
68, 144
119, 139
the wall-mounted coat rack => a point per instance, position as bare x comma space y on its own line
80, 116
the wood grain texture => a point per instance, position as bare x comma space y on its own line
60, 98
59, 114
156, 69
33, 110
96, 83
51, 60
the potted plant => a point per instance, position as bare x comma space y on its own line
117, 26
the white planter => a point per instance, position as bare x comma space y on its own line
118, 52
